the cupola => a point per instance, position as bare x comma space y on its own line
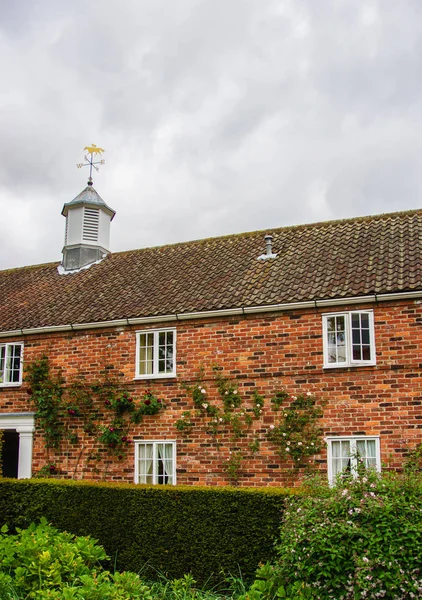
87, 234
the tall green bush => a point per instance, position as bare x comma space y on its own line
362, 539
170, 530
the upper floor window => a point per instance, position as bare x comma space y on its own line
156, 353
349, 339
11, 364
155, 462
345, 454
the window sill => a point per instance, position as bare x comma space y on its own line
7, 385
349, 365
148, 377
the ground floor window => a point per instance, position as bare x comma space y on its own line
345, 453
155, 462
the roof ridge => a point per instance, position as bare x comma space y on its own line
317, 224
380, 216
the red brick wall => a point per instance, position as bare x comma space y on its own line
263, 352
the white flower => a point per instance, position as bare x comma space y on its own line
205, 405
287, 449
234, 391
226, 393
203, 391
258, 405
294, 397
299, 443
308, 394
271, 426
288, 443
220, 419
284, 435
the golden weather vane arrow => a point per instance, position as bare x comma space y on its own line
89, 157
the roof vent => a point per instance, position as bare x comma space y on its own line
268, 248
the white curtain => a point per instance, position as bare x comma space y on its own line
340, 455
145, 463
165, 463
366, 449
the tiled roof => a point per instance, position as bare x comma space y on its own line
335, 259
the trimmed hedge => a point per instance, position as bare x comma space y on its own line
170, 530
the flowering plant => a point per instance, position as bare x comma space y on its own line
120, 403
73, 410
185, 423
149, 405
298, 435
199, 396
358, 539
279, 398
232, 466
258, 403
114, 437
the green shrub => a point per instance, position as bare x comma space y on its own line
42, 562
158, 529
361, 539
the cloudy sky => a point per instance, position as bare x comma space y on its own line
217, 116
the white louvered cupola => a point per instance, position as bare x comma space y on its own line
87, 232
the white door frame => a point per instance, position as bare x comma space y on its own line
23, 424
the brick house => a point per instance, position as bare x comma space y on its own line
332, 310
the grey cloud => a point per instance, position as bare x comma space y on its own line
216, 116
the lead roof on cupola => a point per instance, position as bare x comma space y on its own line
89, 196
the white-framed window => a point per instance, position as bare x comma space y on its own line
349, 339
155, 353
155, 462
345, 453
11, 360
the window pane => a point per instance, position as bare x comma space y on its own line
356, 320
340, 451
336, 339
365, 336
356, 336
15, 363
164, 463
361, 349
145, 463
366, 450
2, 355
165, 352
364, 320
146, 353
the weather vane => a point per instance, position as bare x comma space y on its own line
89, 157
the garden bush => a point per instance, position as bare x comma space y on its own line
154, 529
361, 539
42, 562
